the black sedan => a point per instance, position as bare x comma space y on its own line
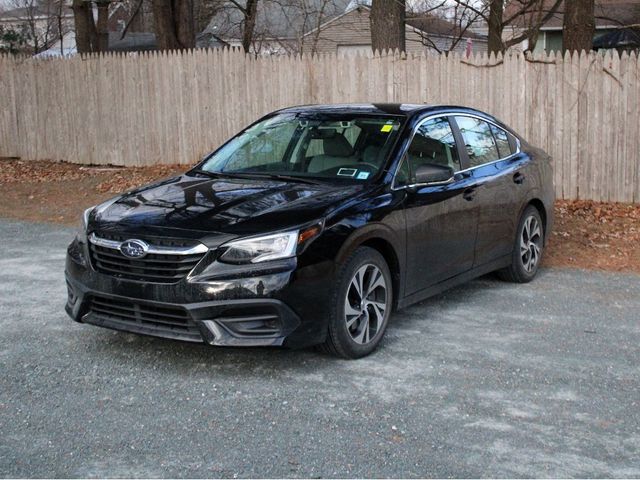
312, 225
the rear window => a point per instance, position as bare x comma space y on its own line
502, 141
478, 140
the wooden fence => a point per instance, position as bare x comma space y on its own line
152, 108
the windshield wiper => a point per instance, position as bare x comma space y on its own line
212, 174
292, 178
258, 175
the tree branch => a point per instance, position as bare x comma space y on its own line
133, 16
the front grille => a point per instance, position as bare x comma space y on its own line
154, 267
151, 318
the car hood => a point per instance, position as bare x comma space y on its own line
234, 206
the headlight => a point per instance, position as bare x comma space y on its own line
84, 222
261, 249
85, 217
101, 207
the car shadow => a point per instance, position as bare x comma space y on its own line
183, 356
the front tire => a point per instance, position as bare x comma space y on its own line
527, 248
362, 303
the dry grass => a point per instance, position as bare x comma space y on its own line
604, 236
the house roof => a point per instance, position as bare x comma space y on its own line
276, 19
425, 23
608, 13
29, 12
432, 25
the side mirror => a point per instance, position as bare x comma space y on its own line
433, 174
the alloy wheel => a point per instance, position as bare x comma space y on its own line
530, 243
365, 304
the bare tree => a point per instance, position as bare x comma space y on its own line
531, 15
276, 26
204, 11
579, 25
459, 17
249, 11
62, 25
320, 16
388, 25
496, 26
300, 19
36, 20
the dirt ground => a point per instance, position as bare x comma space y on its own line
601, 236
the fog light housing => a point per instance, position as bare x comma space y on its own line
72, 298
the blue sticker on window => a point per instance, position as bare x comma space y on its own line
363, 175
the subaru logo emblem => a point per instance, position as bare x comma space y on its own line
134, 248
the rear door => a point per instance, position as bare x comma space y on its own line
441, 219
496, 167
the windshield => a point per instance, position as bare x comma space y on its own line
342, 147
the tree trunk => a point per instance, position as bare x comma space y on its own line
102, 27
86, 34
249, 24
174, 24
579, 25
387, 25
164, 25
496, 25
185, 23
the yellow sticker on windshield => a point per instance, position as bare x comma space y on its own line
386, 128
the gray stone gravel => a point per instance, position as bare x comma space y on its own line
489, 379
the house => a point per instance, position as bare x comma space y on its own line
280, 26
611, 16
350, 32
337, 26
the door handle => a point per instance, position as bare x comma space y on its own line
469, 194
518, 178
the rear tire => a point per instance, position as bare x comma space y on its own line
362, 300
527, 248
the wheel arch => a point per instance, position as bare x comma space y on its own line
539, 205
384, 243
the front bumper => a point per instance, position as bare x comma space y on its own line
282, 306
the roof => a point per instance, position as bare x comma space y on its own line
426, 23
29, 12
275, 19
402, 109
433, 25
408, 110
608, 13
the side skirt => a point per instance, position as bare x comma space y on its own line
454, 281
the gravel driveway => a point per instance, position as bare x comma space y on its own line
489, 379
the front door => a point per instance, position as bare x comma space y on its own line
441, 219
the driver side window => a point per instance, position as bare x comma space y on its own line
433, 143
